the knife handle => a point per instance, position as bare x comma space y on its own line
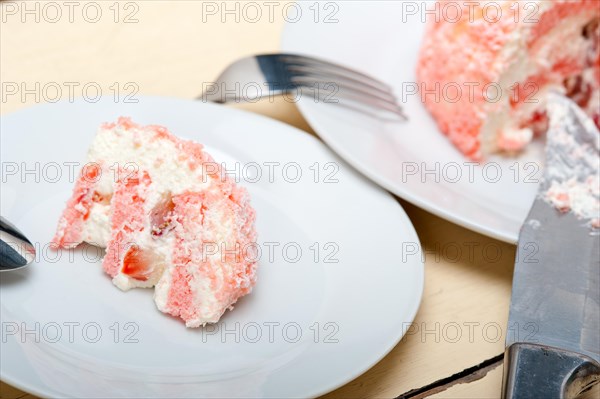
539, 371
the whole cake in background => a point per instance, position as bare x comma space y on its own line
168, 217
518, 55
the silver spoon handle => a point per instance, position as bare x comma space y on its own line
16, 250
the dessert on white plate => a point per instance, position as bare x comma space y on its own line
511, 54
168, 217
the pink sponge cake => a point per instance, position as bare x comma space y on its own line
508, 54
168, 217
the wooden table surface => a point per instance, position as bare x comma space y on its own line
453, 348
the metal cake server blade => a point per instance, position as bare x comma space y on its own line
554, 350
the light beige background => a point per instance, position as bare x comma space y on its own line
170, 51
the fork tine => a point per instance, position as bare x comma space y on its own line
319, 63
344, 90
355, 96
373, 110
341, 80
364, 104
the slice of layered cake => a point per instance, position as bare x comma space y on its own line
504, 57
168, 216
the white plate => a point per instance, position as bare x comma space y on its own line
367, 297
382, 38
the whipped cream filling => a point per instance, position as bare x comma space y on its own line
96, 231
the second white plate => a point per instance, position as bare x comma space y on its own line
413, 160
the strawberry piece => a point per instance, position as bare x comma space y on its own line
137, 264
161, 216
100, 198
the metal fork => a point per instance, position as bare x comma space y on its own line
255, 77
